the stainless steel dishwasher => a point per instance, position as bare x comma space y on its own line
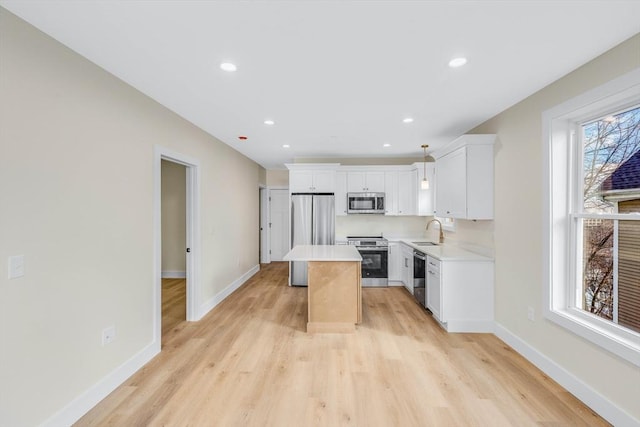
419, 276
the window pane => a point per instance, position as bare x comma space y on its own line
611, 161
598, 267
628, 274
611, 248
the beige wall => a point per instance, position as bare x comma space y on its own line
262, 176
76, 178
278, 178
174, 224
518, 231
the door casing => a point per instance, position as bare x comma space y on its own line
193, 257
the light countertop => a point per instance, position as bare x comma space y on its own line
450, 253
323, 253
444, 251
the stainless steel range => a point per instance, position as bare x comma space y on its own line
375, 254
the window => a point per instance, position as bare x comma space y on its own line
610, 252
592, 215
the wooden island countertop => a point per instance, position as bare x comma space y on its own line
334, 289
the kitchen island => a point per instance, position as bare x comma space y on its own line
334, 288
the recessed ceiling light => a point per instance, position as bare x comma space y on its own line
386, 145
228, 66
407, 120
457, 62
269, 122
285, 146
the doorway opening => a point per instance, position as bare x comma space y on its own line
176, 231
274, 224
174, 243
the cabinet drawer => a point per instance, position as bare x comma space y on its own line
433, 265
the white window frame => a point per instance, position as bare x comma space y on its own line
560, 169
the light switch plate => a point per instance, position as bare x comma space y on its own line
16, 266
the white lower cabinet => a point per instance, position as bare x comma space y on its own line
407, 267
434, 294
460, 294
394, 262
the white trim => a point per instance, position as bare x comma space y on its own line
590, 397
559, 234
174, 274
193, 233
461, 141
79, 406
220, 296
631, 216
265, 234
470, 326
312, 166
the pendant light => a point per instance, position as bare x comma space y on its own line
425, 182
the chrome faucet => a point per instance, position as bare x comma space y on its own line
441, 237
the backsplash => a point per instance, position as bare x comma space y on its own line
374, 225
476, 236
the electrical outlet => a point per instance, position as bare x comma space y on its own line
531, 314
16, 266
108, 335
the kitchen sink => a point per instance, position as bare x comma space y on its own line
425, 243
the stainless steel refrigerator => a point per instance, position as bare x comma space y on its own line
312, 223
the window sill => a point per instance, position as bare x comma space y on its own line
613, 338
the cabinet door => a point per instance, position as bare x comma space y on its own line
434, 288
356, 182
324, 181
451, 174
425, 197
300, 181
395, 262
391, 193
375, 182
341, 193
407, 192
407, 267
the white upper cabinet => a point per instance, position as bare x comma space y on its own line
341, 193
370, 182
312, 178
464, 174
426, 204
407, 192
391, 193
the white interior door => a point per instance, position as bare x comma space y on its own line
264, 226
279, 217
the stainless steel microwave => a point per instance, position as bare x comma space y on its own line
365, 203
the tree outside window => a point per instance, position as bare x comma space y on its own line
610, 247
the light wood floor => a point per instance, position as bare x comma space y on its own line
249, 362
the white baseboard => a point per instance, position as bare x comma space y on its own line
79, 406
173, 274
470, 326
604, 407
220, 296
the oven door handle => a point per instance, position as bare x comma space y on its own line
419, 256
377, 249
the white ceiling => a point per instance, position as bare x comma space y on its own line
337, 77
